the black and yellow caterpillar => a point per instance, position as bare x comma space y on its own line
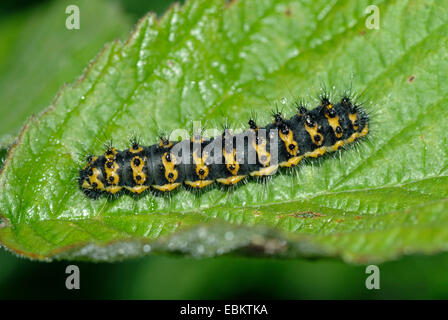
229, 158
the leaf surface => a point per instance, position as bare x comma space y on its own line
208, 61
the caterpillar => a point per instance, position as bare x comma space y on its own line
229, 158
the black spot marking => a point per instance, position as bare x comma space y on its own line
309, 122
252, 124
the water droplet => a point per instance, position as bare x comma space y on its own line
211, 239
202, 233
200, 249
283, 100
229, 236
146, 248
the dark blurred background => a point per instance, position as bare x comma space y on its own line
30, 75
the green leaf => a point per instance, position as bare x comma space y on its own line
210, 61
